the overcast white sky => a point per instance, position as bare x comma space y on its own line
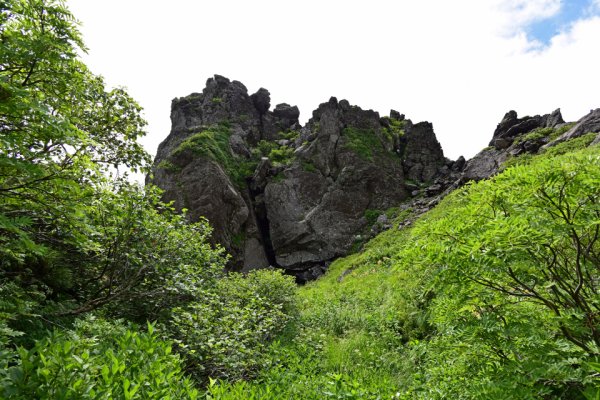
459, 64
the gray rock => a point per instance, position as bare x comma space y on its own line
511, 126
382, 219
203, 188
301, 215
587, 124
421, 152
434, 189
485, 164
316, 214
553, 119
254, 255
261, 100
459, 164
238, 143
396, 115
286, 115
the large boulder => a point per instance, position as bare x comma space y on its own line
211, 135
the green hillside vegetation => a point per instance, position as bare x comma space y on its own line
107, 293
492, 294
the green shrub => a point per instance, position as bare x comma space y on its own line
143, 257
289, 135
98, 360
516, 293
278, 155
224, 333
308, 166
281, 156
212, 143
372, 215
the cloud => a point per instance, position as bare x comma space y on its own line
518, 13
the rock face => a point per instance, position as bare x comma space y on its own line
286, 195
588, 124
512, 137
510, 127
297, 197
318, 205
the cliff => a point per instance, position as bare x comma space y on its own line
296, 197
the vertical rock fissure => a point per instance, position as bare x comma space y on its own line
262, 222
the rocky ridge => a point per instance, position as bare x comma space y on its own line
297, 197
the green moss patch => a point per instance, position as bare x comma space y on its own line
213, 143
363, 142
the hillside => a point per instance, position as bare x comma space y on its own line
362, 265
491, 294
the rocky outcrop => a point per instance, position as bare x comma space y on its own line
588, 124
278, 193
421, 152
297, 197
512, 137
510, 127
318, 205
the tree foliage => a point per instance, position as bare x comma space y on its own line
76, 238
60, 132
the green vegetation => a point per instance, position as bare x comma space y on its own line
98, 360
367, 144
363, 142
540, 133
168, 166
238, 239
561, 148
105, 292
87, 259
289, 135
212, 143
308, 166
395, 130
492, 294
278, 155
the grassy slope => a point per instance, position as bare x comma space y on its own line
381, 324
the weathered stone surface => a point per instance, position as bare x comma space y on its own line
297, 213
421, 152
485, 164
587, 124
286, 115
509, 140
203, 188
309, 206
459, 164
511, 126
396, 115
200, 184
261, 100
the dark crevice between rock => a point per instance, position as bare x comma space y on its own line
311, 273
262, 222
